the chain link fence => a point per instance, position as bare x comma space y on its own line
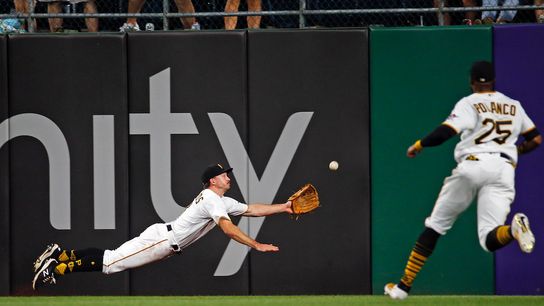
111, 15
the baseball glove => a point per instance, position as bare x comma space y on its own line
304, 200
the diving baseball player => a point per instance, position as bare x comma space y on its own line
489, 123
162, 240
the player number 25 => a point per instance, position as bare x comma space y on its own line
500, 127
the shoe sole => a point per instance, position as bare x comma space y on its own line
45, 266
45, 255
525, 238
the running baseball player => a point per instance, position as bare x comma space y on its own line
489, 123
162, 240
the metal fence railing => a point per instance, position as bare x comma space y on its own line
107, 15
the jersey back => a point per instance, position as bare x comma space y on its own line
488, 122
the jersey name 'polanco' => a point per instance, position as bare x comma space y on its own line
496, 108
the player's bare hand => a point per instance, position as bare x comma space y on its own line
412, 152
288, 207
414, 149
262, 247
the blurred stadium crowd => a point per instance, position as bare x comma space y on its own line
207, 17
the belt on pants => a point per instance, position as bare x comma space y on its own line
173, 245
503, 155
506, 156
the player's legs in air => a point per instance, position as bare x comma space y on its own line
150, 246
56, 261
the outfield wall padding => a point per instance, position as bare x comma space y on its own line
4, 172
113, 134
143, 113
64, 81
518, 61
202, 73
326, 73
417, 75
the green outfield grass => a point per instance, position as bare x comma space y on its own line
332, 300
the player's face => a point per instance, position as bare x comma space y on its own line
222, 181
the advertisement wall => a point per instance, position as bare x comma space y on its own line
68, 153
175, 95
110, 134
328, 251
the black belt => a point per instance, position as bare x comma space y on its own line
509, 159
503, 155
174, 247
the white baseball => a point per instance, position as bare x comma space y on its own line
333, 165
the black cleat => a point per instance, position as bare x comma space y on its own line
45, 275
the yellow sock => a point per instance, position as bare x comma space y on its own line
63, 256
414, 265
71, 266
60, 269
503, 234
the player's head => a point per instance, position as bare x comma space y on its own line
213, 171
482, 75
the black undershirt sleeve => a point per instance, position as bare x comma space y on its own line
528, 136
438, 136
528, 144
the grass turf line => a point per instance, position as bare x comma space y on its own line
310, 300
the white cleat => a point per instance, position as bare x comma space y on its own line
49, 251
394, 292
522, 232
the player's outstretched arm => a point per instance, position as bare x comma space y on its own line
260, 210
235, 233
435, 138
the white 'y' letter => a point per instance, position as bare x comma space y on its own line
255, 190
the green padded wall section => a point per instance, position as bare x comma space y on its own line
417, 76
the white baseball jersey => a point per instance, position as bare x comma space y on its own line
488, 122
157, 242
202, 215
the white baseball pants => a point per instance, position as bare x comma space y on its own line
152, 245
491, 179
